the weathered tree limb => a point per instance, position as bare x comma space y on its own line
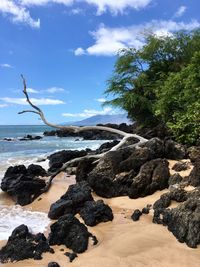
125, 136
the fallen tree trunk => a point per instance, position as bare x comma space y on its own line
125, 136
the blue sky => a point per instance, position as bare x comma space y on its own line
66, 49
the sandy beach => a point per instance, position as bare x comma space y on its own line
122, 242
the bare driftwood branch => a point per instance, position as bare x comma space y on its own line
125, 136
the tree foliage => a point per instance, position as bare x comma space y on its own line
160, 83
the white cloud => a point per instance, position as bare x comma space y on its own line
179, 13
77, 11
54, 90
45, 2
18, 13
91, 112
101, 100
36, 101
117, 6
17, 10
108, 41
5, 65
33, 91
79, 51
3, 105
51, 90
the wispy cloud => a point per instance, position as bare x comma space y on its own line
54, 90
179, 13
36, 101
91, 112
5, 65
108, 41
18, 13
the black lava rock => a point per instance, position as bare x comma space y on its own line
23, 245
21, 183
180, 166
69, 232
72, 256
72, 201
136, 215
96, 212
194, 177
175, 179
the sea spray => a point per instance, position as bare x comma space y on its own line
13, 216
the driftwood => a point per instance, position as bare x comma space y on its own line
125, 136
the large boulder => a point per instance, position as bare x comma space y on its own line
94, 213
21, 183
173, 150
72, 201
57, 159
23, 245
84, 167
70, 232
153, 176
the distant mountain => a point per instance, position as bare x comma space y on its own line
101, 119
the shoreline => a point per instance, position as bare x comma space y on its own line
122, 242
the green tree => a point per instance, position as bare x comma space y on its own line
160, 83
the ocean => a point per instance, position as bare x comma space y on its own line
27, 152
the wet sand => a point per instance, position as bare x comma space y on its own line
122, 243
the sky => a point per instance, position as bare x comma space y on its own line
66, 50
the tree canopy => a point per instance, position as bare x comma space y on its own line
160, 83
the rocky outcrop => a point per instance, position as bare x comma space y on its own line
57, 159
69, 232
72, 201
174, 150
23, 183
94, 213
184, 220
23, 245
153, 176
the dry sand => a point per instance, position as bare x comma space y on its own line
122, 243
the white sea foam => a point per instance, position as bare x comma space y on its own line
11, 217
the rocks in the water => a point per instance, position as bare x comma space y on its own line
136, 215
23, 245
29, 137
175, 179
70, 232
181, 166
174, 150
72, 256
194, 177
153, 176
22, 184
95, 212
57, 159
71, 201
53, 264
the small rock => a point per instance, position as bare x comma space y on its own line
71, 256
136, 215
